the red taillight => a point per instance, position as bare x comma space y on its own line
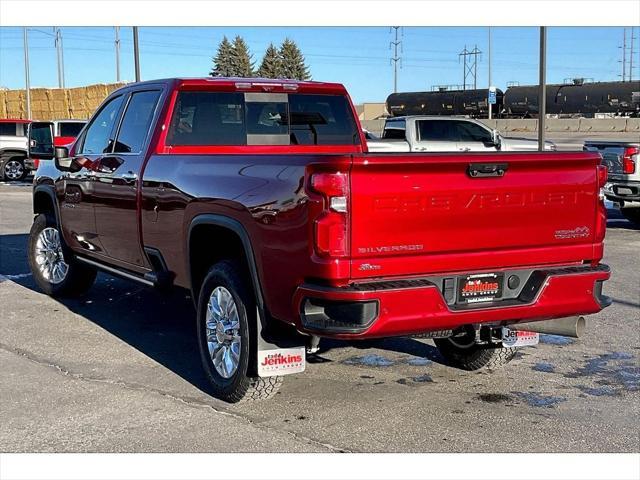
331, 235
602, 175
601, 215
628, 162
330, 184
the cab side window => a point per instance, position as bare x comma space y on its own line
470, 132
98, 138
435, 131
136, 122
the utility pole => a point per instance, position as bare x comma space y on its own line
624, 54
469, 68
136, 53
542, 88
395, 59
490, 104
117, 45
631, 57
59, 56
26, 72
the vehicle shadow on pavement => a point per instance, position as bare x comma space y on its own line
403, 345
617, 221
161, 325
13, 254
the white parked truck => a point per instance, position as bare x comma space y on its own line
446, 134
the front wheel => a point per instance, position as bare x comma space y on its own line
226, 317
466, 354
53, 266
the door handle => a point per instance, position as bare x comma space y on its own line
129, 177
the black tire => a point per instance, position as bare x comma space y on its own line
632, 214
9, 161
474, 357
79, 277
242, 385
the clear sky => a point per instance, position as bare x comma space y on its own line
359, 57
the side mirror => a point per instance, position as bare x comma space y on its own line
62, 159
41, 140
496, 139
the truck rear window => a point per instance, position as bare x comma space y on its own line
70, 129
221, 118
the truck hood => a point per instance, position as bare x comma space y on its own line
510, 144
382, 145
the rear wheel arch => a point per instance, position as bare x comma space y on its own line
44, 202
13, 153
212, 238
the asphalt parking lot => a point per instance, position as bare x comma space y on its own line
118, 371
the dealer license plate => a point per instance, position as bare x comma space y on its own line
480, 287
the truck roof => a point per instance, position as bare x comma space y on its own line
249, 84
430, 117
14, 120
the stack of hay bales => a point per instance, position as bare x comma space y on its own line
55, 103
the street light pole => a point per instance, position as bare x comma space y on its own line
59, 56
26, 72
490, 104
117, 42
542, 88
136, 53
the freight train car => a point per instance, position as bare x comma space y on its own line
574, 99
577, 99
447, 102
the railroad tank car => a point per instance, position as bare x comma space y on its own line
574, 99
446, 102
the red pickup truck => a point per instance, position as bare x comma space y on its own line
259, 196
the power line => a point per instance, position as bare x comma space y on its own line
395, 59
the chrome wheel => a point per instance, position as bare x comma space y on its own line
223, 332
49, 256
13, 170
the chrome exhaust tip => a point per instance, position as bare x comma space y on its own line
573, 327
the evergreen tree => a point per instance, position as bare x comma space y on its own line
271, 66
293, 65
222, 66
241, 63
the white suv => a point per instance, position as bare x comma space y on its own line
14, 162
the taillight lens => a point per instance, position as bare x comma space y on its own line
601, 215
330, 230
628, 162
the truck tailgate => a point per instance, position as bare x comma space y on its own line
414, 214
